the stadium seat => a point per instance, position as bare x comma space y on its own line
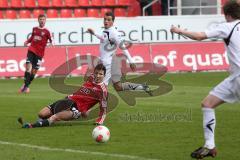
123, 2
3, 3
43, 3
134, 9
110, 2
83, 3
16, 3
92, 12
57, 3
29, 3
156, 9
37, 12
66, 13
79, 13
24, 13
96, 2
71, 3
1, 15
104, 10
11, 14
52, 13
120, 12
223, 2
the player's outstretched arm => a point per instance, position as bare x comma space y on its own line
25, 43
102, 116
50, 40
122, 46
129, 58
92, 32
29, 40
51, 44
192, 35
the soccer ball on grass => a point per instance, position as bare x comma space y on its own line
101, 134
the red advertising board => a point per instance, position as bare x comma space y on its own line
190, 56
81, 57
199, 56
12, 61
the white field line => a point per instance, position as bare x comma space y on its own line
44, 148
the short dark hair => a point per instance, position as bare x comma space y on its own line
232, 8
41, 15
109, 13
100, 67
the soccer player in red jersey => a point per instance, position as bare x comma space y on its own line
39, 39
78, 104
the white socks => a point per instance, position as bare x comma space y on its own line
209, 123
132, 86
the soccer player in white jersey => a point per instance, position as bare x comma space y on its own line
110, 36
229, 89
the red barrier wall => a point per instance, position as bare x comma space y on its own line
199, 56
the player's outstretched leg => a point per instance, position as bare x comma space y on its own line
147, 89
28, 82
42, 123
24, 125
203, 152
20, 120
136, 86
24, 88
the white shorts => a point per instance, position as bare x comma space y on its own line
113, 72
228, 90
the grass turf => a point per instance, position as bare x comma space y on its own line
166, 127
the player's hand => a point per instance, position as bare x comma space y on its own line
133, 67
25, 43
91, 31
97, 123
51, 45
175, 29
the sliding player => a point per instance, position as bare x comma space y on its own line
78, 104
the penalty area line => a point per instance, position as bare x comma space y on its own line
44, 148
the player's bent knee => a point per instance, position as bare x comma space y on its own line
34, 71
54, 118
42, 115
207, 104
28, 67
118, 87
84, 114
211, 101
45, 113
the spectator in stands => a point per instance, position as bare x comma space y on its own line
165, 8
143, 3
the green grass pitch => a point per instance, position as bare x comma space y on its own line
171, 135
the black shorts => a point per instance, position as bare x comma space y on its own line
34, 59
64, 105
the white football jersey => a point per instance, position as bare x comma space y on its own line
223, 30
109, 42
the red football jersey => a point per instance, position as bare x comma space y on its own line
90, 94
38, 40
